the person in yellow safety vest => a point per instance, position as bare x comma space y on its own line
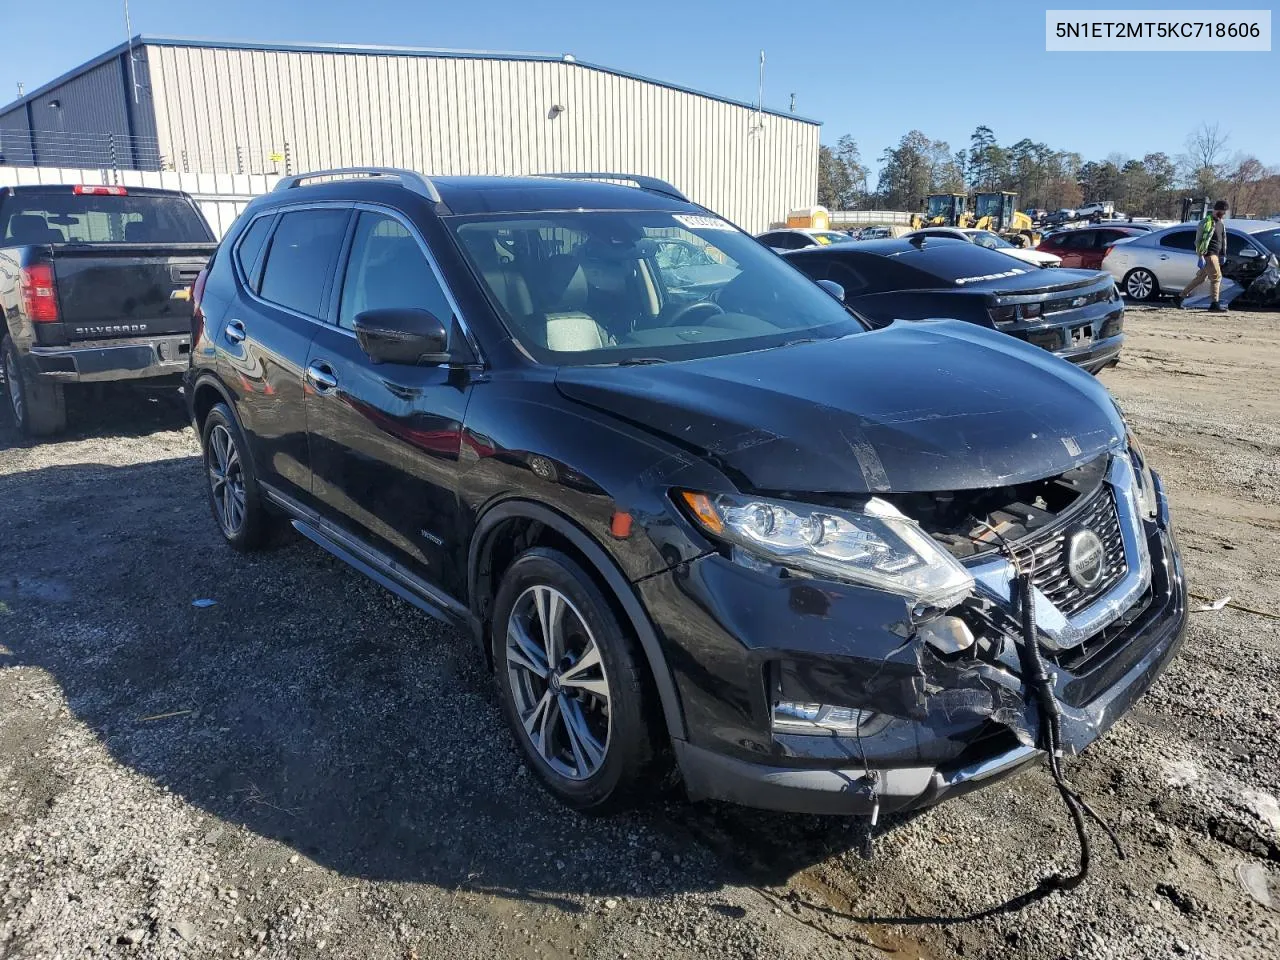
1211, 245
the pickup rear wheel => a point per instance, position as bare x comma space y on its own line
234, 495
38, 407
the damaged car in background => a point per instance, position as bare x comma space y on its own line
1075, 314
709, 517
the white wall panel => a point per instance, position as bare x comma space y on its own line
228, 110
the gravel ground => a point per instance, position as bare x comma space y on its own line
309, 767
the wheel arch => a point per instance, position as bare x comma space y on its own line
516, 515
207, 391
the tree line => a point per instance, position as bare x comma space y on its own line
1043, 177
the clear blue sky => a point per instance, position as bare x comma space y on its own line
872, 69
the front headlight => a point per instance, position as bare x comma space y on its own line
876, 546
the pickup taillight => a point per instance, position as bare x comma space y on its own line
39, 293
197, 314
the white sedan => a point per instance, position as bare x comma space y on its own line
992, 241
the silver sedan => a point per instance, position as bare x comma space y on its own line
1162, 262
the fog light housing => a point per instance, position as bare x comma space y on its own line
793, 716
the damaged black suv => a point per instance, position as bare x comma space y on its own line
692, 508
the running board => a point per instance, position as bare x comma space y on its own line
380, 569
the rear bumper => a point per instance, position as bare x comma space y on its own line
113, 360
1099, 354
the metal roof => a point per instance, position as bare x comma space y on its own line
375, 50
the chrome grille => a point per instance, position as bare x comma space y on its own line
1046, 554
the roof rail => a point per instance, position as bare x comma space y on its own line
410, 178
652, 184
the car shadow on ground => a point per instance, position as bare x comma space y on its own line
108, 410
310, 706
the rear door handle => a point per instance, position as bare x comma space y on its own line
321, 376
1164, 256
234, 331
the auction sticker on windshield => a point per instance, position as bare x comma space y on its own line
701, 223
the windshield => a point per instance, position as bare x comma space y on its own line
610, 287
992, 241
101, 218
988, 206
940, 206
1269, 239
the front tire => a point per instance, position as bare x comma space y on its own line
234, 495
1141, 285
572, 683
38, 407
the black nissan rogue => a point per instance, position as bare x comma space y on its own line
694, 510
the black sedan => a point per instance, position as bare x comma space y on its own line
1075, 314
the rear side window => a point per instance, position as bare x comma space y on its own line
837, 271
101, 218
388, 269
1179, 240
250, 246
1081, 240
301, 259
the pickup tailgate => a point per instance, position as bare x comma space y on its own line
115, 290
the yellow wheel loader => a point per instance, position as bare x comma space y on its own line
998, 213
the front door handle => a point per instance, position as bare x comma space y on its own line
321, 376
234, 331
1164, 256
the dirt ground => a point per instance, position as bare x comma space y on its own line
309, 767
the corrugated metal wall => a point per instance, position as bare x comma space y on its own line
225, 109
84, 120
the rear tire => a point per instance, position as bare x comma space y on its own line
580, 706
38, 407
235, 498
1140, 284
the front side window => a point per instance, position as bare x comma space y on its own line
388, 269
301, 259
585, 287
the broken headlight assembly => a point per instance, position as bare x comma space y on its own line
876, 546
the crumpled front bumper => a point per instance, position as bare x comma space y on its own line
955, 728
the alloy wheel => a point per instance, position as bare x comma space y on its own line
558, 682
226, 479
1140, 285
14, 386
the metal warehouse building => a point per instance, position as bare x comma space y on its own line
212, 107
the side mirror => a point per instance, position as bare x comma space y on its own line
404, 335
1249, 252
832, 288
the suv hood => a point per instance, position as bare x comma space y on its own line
913, 407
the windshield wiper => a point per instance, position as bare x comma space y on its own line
639, 361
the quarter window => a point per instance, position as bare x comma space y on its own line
250, 246
388, 269
304, 250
